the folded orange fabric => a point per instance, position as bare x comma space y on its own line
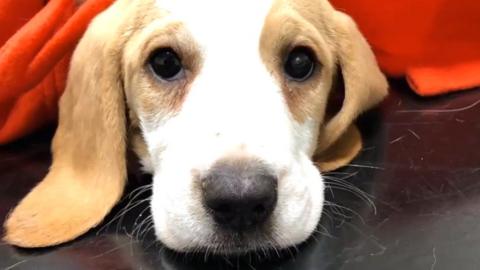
37, 40
434, 43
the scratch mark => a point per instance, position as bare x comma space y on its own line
15, 265
382, 223
434, 259
414, 134
455, 187
380, 252
371, 239
397, 139
442, 111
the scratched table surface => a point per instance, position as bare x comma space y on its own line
413, 201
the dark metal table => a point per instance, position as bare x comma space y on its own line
417, 205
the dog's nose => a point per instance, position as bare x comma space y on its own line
239, 194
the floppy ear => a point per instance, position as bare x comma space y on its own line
365, 86
88, 173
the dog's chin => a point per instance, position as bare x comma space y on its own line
227, 243
230, 243
212, 240
218, 241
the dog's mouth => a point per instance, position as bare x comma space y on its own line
238, 243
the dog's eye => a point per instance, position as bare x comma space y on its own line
300, 64
166, 64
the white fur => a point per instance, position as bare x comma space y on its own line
234, 107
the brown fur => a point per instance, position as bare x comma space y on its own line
285, 29
336, 41
365, 85
151, 94
88, 173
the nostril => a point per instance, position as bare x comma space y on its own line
223, 209
223, 213
259, 209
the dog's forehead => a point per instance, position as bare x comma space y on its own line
220, 24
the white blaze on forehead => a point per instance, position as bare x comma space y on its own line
227, 31
207, 18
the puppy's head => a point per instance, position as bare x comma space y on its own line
229, 100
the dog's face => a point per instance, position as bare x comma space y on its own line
230, 105
229, 100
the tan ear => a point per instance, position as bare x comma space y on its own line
88, 173
340, 153
365, 86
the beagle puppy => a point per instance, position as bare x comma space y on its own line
225, 104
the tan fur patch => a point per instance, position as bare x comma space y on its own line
148, 94
88, 173
284, 30
335, 40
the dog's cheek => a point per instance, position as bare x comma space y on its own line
164, 218
300, 201
305, 136
166, 197
179, 219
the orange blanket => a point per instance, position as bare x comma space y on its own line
434, 43
36, 42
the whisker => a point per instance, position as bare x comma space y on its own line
141, 214
140, 190
348, 187
324, 231
338, 210
364, 166
136, 231
126, 210
347, 175
149, 225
